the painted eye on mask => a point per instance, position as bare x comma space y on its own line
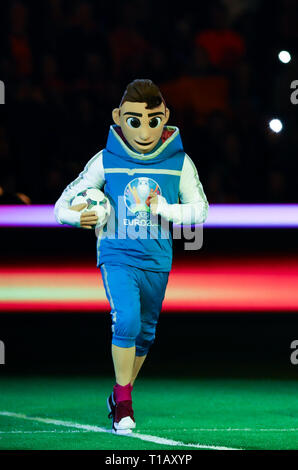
154, 122
133, 122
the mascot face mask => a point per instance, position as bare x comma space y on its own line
141, 127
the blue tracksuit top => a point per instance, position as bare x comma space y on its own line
133, 236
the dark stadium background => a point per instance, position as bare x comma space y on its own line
65, 65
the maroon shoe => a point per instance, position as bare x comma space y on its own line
111, 406
122, 415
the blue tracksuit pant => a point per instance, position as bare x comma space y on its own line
135, 296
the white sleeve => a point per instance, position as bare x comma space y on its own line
91, 176
194, 205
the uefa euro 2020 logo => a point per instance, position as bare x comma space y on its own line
136, 196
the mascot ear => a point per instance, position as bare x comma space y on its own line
167, 115
116, 116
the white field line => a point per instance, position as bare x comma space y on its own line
90, 428
163, 430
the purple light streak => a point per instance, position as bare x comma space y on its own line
219, 216
28, 216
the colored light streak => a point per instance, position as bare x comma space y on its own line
218, 285
219, 216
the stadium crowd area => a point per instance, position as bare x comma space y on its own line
66, 63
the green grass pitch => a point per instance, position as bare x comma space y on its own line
53, 413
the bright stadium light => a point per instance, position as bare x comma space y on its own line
284, 57
275, 125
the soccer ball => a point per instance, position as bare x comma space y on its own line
97, 201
